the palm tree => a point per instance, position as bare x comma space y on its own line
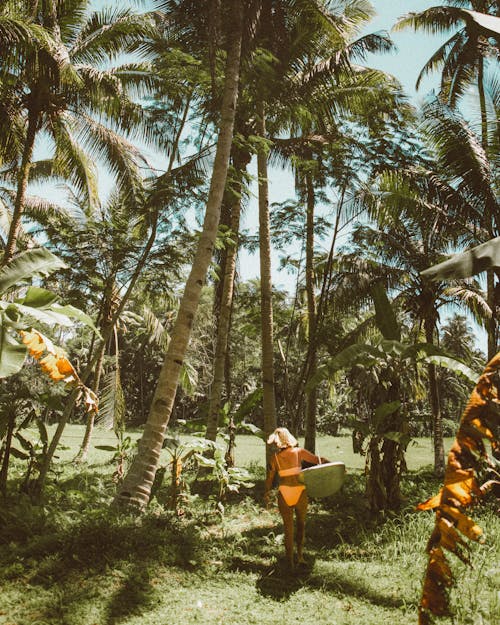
408, 238
137, 484
463, 56
463, 60
308, 53
63, 92
464, 167
234, 192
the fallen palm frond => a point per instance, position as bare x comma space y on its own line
468, 460
54, 362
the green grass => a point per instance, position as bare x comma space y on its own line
250, 449
75, 561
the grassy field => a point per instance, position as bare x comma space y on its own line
250, 449
75, 561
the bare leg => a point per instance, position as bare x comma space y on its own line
287, 515
300, 515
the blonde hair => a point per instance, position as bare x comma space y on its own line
282, 438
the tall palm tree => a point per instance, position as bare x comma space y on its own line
307, 53
240, 159
466, 167
137, 484
463, 60
67, 92
409, 237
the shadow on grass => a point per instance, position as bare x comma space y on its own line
80, 543
134, 596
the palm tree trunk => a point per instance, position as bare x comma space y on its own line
437, 419
224, 314
22, 185
491, 325
136, 487
266, 304
311, 393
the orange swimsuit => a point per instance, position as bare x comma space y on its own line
291, 494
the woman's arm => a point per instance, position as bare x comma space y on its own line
307, 456
268, 484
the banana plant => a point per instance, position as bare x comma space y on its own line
22, 304
382, 365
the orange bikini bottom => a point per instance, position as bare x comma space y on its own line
291, 494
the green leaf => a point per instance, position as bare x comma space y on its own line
384, 313
398, 437
347, 358
204, 461
387, 408
453, 365
248, 404
75, 313
42, 429
25, 443
19, 454
250, 427
466, 264
12, 352
37, 297
106, 447
42, 315
25, 266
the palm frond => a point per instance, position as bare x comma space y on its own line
109, 33
112, 401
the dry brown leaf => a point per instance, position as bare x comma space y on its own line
460, 490
56, 365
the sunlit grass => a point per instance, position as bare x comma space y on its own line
76, 561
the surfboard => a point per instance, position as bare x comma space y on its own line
323, 480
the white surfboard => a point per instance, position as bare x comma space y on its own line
323, 480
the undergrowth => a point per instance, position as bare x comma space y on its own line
75, 560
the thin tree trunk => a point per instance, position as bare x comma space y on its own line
22, 185
437, 419
298, 393
311, 393
266, 305
89, 428
106, 333
6, 452
224, 315
136, 487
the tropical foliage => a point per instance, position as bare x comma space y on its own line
140, 143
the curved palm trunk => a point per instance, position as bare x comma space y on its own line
437, 419
22, 185
266, 305
136, 487
311, 393
224, 315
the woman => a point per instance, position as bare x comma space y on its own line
291, 492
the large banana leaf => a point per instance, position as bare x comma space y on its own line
385, 316
469, 263
453, 365
12, 353
363, 354
490, 23
37, 262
